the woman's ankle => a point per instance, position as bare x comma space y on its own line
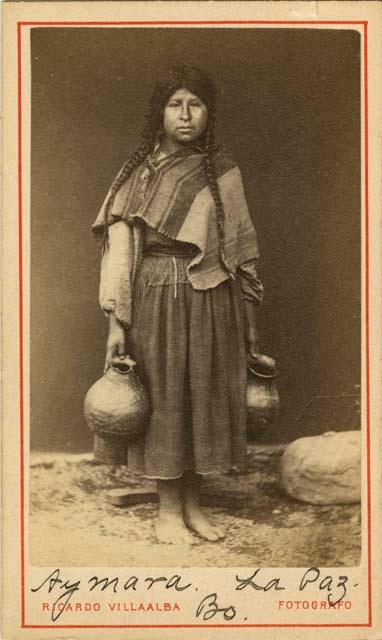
170, 497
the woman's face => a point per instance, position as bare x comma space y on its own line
184, 118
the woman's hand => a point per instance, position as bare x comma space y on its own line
263, 365
252, 339
116, 341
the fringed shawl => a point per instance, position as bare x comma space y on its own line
178, 203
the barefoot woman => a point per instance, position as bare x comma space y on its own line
179, 284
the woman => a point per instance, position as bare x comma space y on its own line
179, 284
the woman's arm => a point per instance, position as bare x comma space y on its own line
251, 333
116, 272
115, 287
252, 292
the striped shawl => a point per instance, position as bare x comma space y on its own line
178, 203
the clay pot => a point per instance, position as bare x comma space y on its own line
263, 398
117, 405
110, 450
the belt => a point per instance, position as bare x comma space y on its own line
174, 254
170, 252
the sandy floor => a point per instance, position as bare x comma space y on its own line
72, 523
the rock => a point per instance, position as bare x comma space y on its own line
324, 469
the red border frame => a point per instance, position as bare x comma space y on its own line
364, 24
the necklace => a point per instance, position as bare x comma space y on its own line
154, 164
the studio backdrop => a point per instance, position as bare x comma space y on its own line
289, 113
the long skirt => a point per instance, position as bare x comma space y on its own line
190, 352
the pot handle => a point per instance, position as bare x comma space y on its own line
262, 366
122, 364
269, 376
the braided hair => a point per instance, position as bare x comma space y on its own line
199, 83
209, 166
136, 159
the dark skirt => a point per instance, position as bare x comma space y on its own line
190, 352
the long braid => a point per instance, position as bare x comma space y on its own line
213, 184
134, 161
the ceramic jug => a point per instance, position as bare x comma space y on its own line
263, 399
117, 405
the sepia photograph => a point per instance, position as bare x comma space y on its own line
191, 282
195, 237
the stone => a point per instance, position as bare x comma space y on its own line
324, 469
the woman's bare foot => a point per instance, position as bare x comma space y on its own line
192, 513
197, 521
170, 529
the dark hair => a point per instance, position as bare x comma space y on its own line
185, 77
200, 83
